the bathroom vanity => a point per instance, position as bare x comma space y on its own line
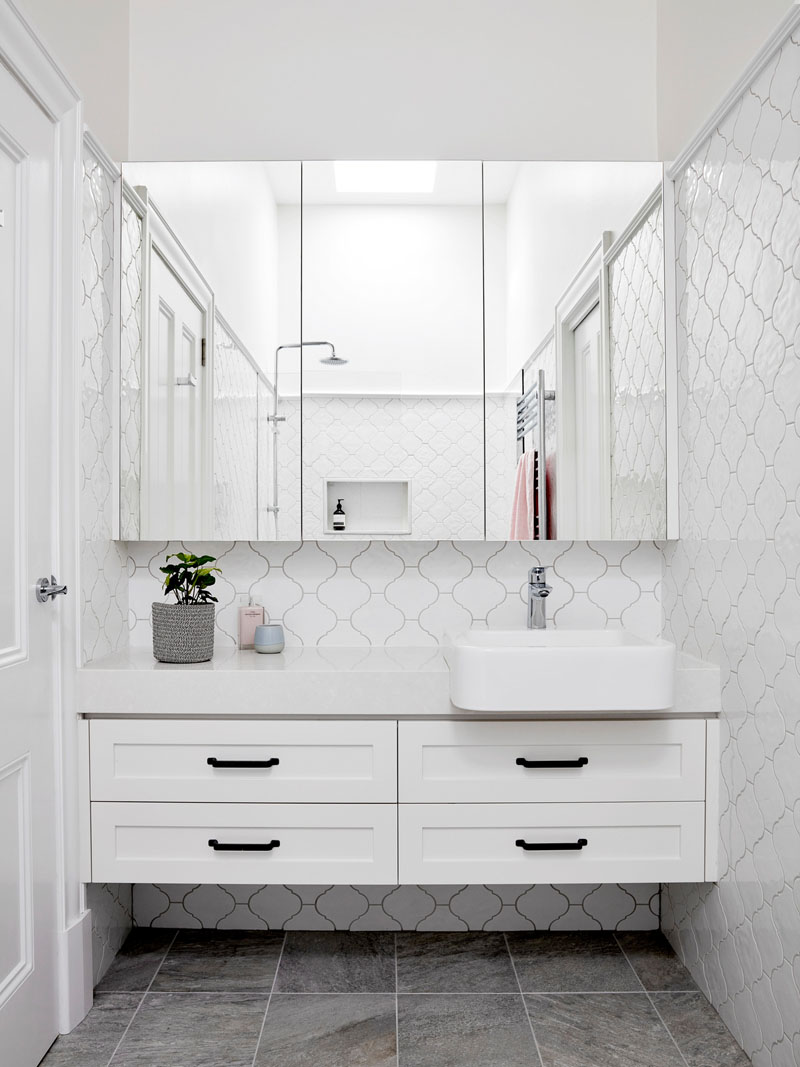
352, 766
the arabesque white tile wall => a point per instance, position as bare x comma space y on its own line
732, 584
410, 592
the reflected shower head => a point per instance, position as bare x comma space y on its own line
333, 360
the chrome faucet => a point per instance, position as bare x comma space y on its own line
538, 591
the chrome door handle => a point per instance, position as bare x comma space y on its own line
48, 588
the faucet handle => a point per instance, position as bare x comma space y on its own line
536, 574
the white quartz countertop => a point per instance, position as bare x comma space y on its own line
337, 682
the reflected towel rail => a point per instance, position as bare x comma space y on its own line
531, 419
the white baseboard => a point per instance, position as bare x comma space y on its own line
74, 973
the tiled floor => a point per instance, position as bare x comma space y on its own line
227, 999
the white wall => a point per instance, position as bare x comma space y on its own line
398, 290
373, 78
225, 216
703, 47
495, 297
90, 40
555, 217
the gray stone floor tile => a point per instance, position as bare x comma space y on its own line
571, 963
454, 963
210, 961
655, 962
337, 962
136, 962
329, 1030
445, 1030
600, 1030
700, 1033
193, 1030
93, 1041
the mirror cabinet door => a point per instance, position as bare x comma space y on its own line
210, 279
398, 350
575, 350
392, 359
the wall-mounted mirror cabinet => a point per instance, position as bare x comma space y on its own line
397, 350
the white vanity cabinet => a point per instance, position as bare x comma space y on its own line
243, 801
379, 802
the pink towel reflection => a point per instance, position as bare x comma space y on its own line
524, 508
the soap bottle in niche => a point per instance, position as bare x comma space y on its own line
338, 518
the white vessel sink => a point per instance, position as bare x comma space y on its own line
559, 670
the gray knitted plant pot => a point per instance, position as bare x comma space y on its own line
183, 633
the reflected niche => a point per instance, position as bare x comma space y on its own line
392, 275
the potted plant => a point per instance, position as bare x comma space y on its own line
184, 632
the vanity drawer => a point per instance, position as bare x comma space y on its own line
336, 762
319, 843
452, 844
632, 760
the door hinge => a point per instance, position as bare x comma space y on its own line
203, 352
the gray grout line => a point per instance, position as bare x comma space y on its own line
671, 1035
408, 993
524, 1002
269, 1000
396, 1008
650, 1001
144, 995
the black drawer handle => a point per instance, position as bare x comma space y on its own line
547, 846
218, 846
581, 761
212, 761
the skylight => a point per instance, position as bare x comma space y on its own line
374, 176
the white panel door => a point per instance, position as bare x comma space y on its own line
173, 505
27, 629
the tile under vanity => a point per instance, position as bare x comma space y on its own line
366, 623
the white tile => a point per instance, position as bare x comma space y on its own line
377, 566
445, 566
309, 566
378, 620
343, 593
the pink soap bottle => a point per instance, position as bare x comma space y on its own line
250, 616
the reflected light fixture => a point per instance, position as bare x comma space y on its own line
380, 176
